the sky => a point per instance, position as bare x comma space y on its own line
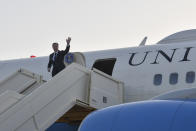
29, 27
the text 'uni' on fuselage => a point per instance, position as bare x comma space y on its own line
160, 53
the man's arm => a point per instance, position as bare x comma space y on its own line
50, 63
68, 40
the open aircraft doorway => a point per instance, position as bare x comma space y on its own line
105, 65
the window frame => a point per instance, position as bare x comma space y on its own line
157, 80
188, 76
171, 81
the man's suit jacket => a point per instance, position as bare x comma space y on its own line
58, 62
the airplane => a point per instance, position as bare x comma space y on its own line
170, 111
146, 70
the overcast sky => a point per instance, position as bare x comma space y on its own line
28, 27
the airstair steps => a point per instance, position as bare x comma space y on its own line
74, 89
21, 81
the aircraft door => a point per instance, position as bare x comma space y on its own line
105, 65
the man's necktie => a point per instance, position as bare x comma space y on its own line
55, 55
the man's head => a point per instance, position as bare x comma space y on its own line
55, 47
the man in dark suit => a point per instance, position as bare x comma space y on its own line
56, 59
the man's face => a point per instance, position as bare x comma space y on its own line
55, 47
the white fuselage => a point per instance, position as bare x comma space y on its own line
136, 67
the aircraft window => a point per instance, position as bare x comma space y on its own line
173, 78
190, 77
157, 79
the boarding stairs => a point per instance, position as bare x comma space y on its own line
28, 103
